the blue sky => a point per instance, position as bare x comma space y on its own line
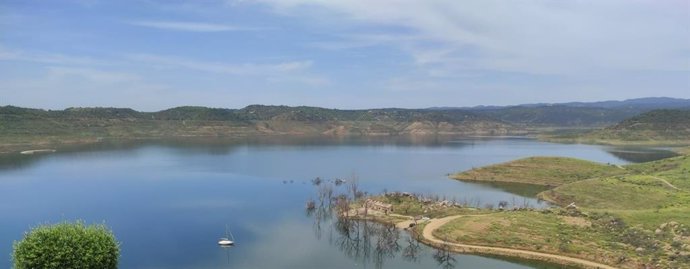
151, 55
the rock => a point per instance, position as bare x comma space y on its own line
657, 231
638, 250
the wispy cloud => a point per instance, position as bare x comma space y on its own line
286, 71
222, 68
99, 76
7, 54
537, 37
188, 26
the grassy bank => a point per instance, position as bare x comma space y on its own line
549, 171
630, 216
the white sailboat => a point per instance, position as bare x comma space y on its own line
227, 241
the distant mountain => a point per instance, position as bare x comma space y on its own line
574, 114
649, 102
31, 126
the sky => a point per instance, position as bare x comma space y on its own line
156, 54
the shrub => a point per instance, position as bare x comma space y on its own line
67, 245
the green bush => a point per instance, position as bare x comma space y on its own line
67, 245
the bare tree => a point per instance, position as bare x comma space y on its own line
342, 204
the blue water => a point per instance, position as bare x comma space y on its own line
168, 203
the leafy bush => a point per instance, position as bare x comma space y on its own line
67, 245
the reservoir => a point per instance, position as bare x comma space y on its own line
168, 202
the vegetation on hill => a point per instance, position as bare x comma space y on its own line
559, 116
630, 216
665, 127
549, 171
20, 127
578, 114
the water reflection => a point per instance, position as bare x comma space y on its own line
412, 249
444, 257
364, 241
225, 146
368, 242
639, 155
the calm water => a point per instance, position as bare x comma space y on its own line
169, 202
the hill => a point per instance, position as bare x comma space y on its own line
559, 116
549, 171
632, 216
662, 127
575, 114
22, 127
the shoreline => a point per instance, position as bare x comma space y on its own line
429, 239
426, 237
679, 147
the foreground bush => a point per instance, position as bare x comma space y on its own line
67, 245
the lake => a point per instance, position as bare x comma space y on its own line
168, 202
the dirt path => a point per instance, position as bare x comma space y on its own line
667, 183
437, 223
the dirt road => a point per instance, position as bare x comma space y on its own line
437, 223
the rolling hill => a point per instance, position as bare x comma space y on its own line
660, 127
25, 126
575, 114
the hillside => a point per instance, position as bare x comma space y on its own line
575, 114
559, 116
20, 127
548, 171
632, 216
665, 127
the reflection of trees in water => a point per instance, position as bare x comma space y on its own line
444, 257
636, 155
364, 241
412, 250
321, 210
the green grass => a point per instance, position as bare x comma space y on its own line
536, 231
551, 171
589, 237
675, 170
627, 211
621, 192
652, 218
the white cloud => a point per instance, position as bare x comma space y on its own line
7, 54
192, 26
288, 71
542, 37
98, 76
223, 68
